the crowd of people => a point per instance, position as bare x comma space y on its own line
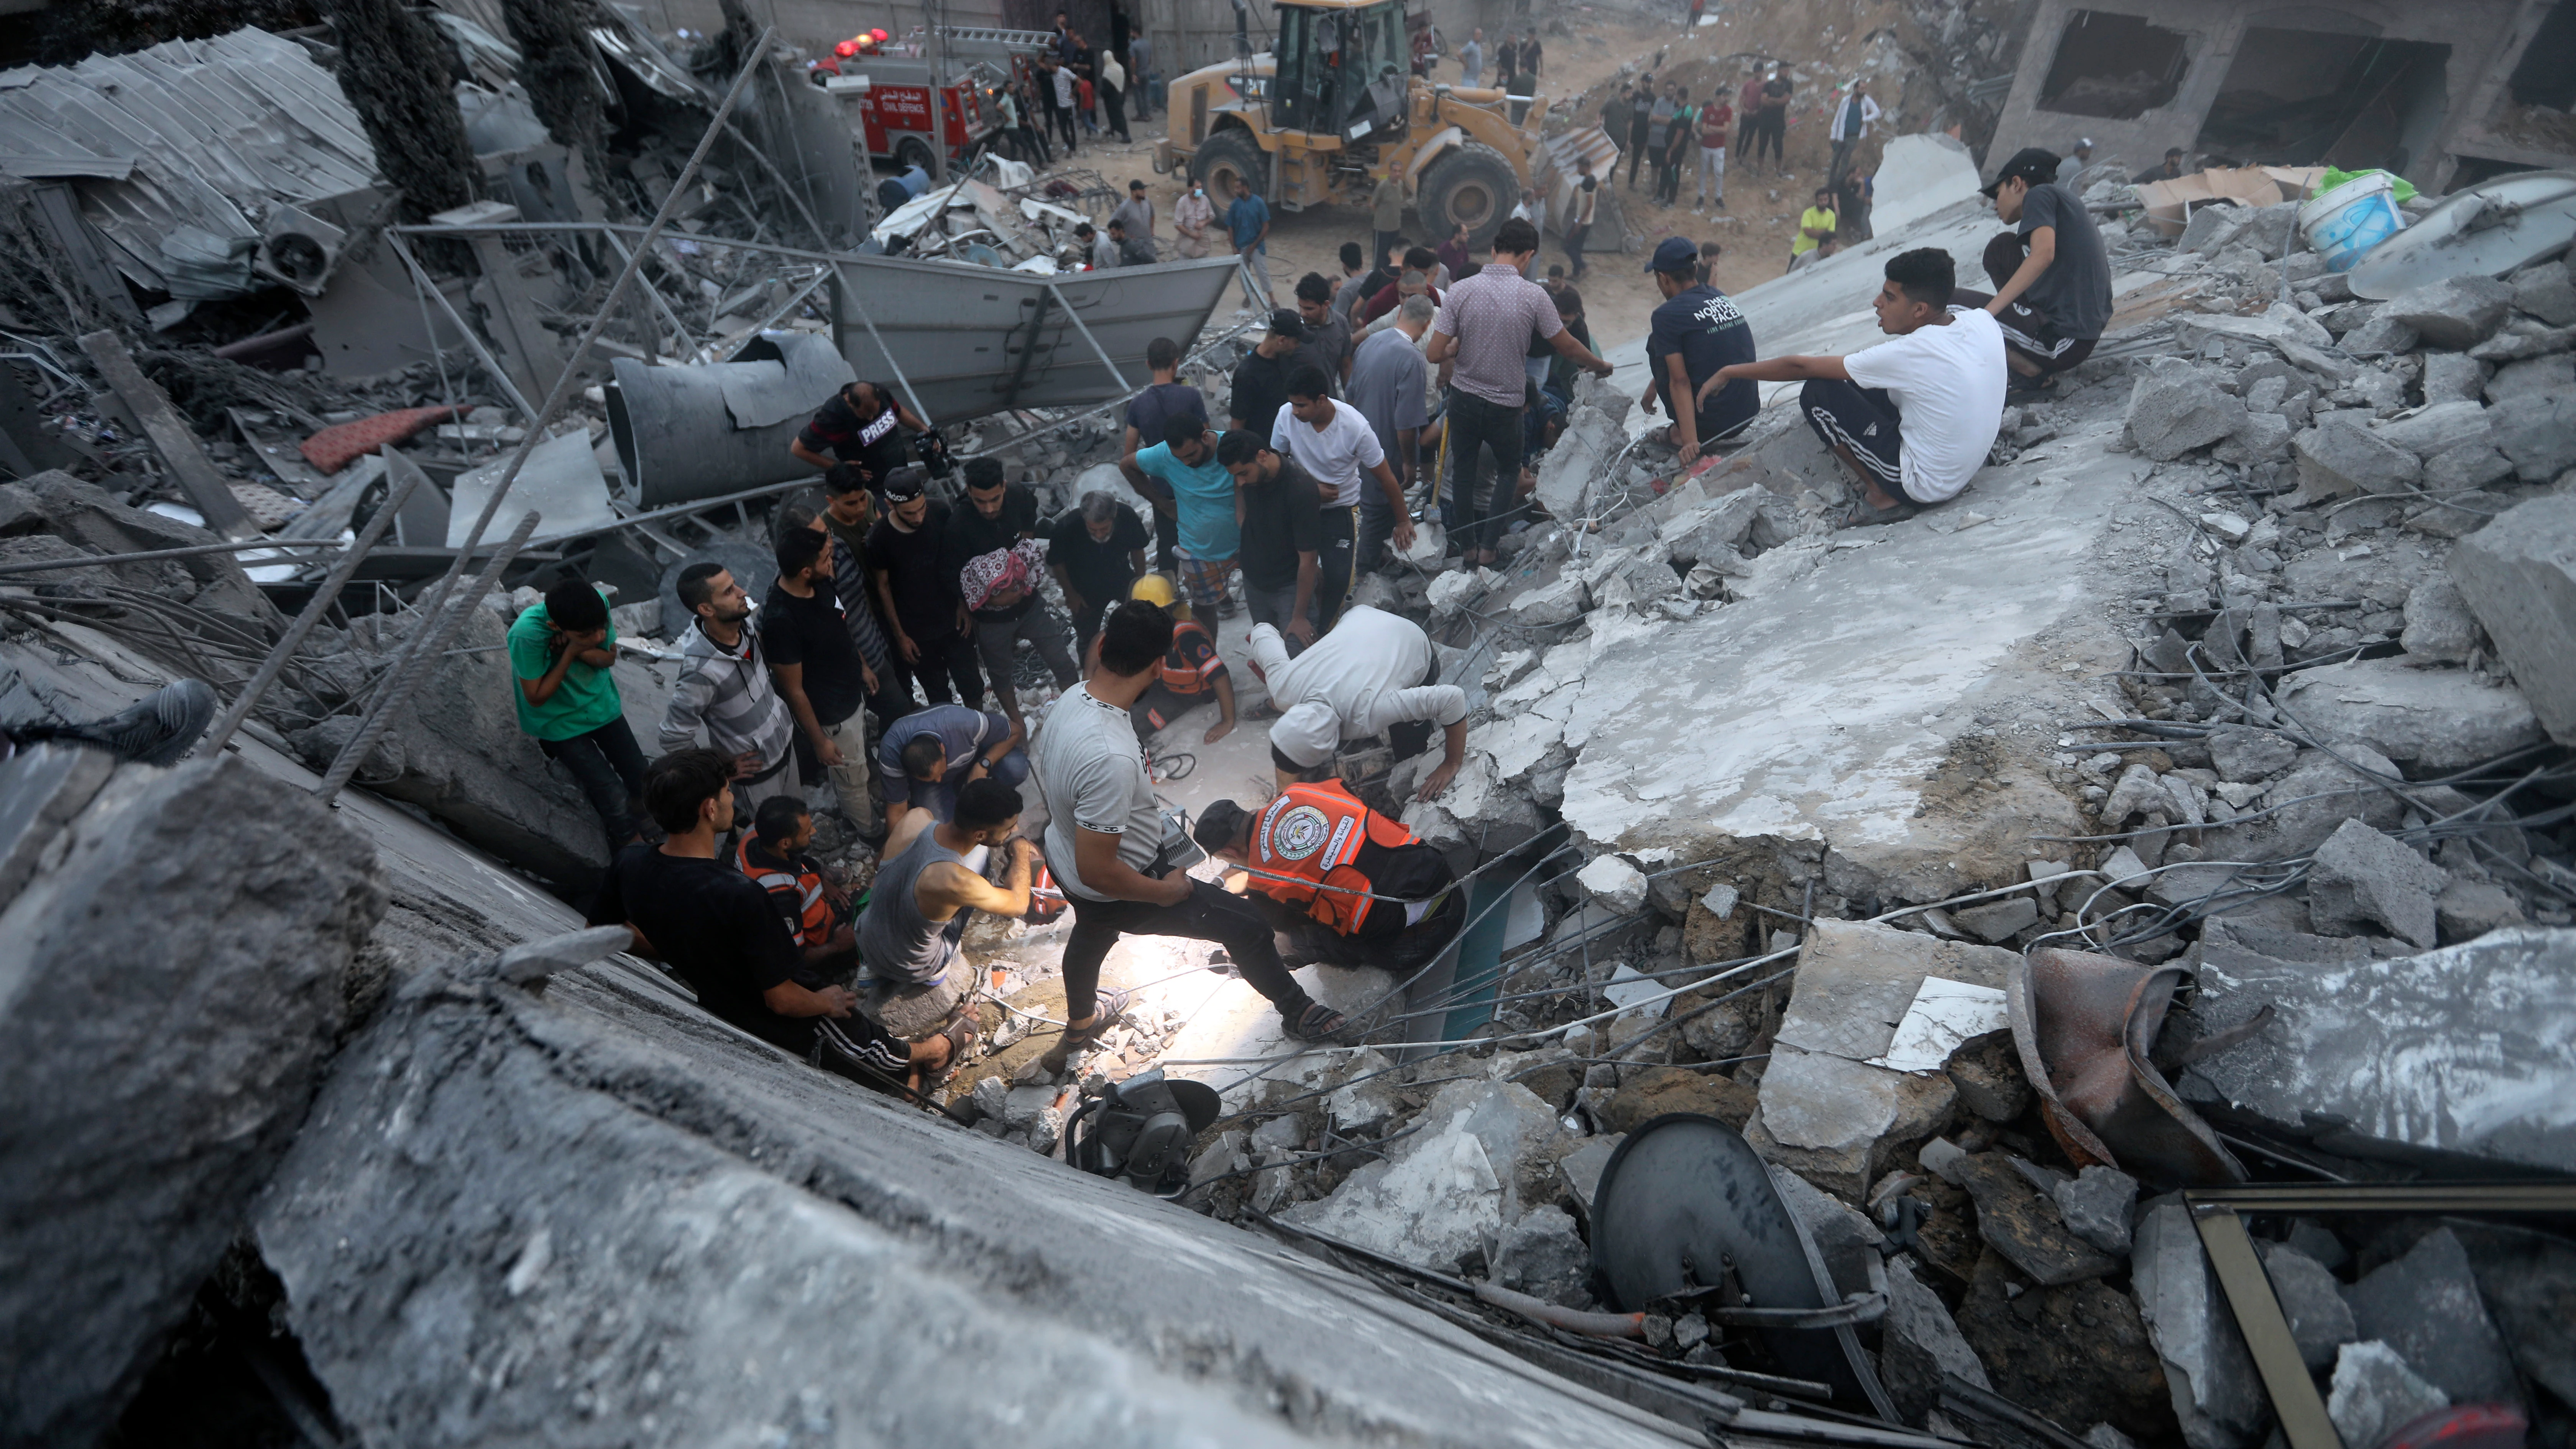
1422, 377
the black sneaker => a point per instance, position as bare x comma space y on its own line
156, 729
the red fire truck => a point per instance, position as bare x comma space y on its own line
891, 83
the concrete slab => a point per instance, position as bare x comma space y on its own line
1843, 708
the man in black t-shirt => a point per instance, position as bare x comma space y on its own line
917, 596
1261, 379
1164, 398
819, 672
863, 426
1283, 533
2052, 274
990, 547
1696, 331
720, 933
1095, 551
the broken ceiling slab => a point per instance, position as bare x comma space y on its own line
2452, 1051
1835, 708
561, 481
178, 150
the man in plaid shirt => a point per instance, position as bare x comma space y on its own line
1483, 329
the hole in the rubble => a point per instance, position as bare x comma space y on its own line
2546, 75
2304, 97
2114, 66
231, 1376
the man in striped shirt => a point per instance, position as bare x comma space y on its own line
724, 687
1484, 328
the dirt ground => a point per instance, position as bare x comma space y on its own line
1618, 296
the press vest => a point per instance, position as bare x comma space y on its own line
1313, 834
814, 914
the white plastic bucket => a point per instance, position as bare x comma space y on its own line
2344, 224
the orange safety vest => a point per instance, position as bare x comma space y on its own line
1180, 676
814, 915
1313, 833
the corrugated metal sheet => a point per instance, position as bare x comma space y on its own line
179, 150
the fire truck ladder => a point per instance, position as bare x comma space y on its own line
966, 40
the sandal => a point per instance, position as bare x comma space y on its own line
1864, 516
1317, 1022
1111, 1004
962, 1034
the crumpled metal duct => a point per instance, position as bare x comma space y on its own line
685, 433
2084, 1025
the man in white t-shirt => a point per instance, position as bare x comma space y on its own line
1334, 443
1105, 845
1938, 377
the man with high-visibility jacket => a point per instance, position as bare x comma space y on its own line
1349, 886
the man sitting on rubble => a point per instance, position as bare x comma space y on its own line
1345, 884
2051, 273
817, 912
927, 756
1192, 672
724, 685
923, 897
1374, 674
561, 652
718, 932
1942, 377
1697, 330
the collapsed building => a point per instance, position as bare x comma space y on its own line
1915, 973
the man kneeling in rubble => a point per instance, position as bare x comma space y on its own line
1348, 886
1375, 673
1942, 378
718, 931
918, 907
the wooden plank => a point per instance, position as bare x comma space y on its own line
171, 437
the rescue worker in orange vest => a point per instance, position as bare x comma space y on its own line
1347, 885
1192, 674
773, 854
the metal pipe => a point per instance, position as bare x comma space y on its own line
320, 604
406, 668
194, 550
676, 435
430, 640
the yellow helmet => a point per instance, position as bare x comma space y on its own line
1153, 589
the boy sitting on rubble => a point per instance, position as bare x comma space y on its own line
1942, 378
817, 912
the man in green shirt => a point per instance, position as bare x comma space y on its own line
561, 652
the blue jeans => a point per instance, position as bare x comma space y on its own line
941, 799
609, 767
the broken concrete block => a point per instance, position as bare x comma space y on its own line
2096, 1204
1460, 588
2079, 1349
1832, 1120
2468, 909
2532, 379
1988, 1074
2426, 1306
1581, 1168
2361, 877
2375, 1393
2339, 456
2307, 803
2457, 313
2453, 377
2540, 438
2437, 719
1566, 474
2177, 407
2518, 574
1650, 1092
2210, 1374
2381, 336
1919, 1343
2016, 1220
2440, 629
1714, 528
1428, 1204
2245, 754
180, 967
2312, 1301
2138, 792
2213, 229
1615, 882
1561, 602
2453, 1049
2260, 438
1542, 1255
1999, 921
2439, 428
2547, 292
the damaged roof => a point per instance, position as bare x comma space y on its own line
179, 152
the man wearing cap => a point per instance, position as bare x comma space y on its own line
2073, 166
1374, 674
1347, 885
2051, 273
1260, 387
1913, 419
1696, 331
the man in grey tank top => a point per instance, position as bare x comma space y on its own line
923, 896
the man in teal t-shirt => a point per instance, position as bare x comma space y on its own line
1184, 469
561, 652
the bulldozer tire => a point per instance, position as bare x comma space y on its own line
1223, 157
1472, 184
